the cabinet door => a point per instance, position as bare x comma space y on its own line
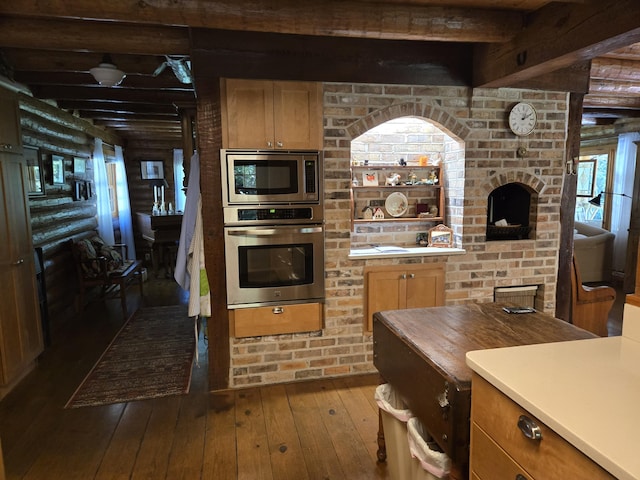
10, 139
247, 114
20, 329
425, 287
385, 290
297, 111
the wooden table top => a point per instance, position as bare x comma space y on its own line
443, 335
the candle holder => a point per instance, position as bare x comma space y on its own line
163, 209
155, 210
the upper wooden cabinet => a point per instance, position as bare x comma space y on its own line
269, 114
10, 137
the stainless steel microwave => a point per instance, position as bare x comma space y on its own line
264, 177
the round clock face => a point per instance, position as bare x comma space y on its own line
522, 119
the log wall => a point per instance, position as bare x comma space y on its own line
58, 216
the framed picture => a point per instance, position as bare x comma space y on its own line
79, 166
35, 171
370, 179
152, 169
441, 236
586, 178
57, 169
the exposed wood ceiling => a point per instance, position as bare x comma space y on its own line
571, 45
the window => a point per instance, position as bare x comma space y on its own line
113, 196
594, 176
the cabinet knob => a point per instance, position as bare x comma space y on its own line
520, 477
412, 275
19, 262
529, 428
270, 144
277, 310
280, 144
403, 276
7, 146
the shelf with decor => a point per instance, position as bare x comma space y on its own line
391, 193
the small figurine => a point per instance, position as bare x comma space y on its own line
378, 214
393, 180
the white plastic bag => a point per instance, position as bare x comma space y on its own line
431, 459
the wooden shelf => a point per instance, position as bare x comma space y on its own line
398, 219
389, 187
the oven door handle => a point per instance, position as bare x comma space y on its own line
265, 232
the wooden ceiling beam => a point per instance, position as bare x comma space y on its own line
117, 107
114, 93
219, 53
91, 36
164, 81
611, 101
344, 18
555, 37
32, 60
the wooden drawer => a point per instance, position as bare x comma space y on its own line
550, 458
489, 461
274, 320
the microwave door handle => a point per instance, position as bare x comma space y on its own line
265, 232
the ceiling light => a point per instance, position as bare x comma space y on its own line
107, 73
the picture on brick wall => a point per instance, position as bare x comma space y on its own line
441, 236
370, 179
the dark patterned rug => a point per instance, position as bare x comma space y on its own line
151, 356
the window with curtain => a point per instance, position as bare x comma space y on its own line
178, 180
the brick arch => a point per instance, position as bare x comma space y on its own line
514, 176
428, 111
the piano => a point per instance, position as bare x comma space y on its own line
161, 233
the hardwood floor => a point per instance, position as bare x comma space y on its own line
313, 430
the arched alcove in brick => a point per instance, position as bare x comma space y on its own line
451, 157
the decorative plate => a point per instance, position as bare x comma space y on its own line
396, 204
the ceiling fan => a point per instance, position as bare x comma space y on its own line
181, 67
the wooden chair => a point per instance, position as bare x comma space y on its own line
590, 306
100, 271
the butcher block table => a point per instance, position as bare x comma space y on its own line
421, 353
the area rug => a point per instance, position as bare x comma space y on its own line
151, 356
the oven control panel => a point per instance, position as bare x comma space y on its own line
272, 214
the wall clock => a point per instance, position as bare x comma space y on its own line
522, 119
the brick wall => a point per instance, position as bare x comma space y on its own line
482, 157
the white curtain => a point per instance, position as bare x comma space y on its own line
124, 206
178, 179
105, 221
623, 177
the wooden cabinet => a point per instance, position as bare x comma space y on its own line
500, 450
20, 328
10, 137
275, 320
271, 114
416, 189
395, 287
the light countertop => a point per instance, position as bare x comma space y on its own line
390, 251
587, 391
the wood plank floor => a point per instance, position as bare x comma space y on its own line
314, 430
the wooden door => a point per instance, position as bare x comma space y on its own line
425, 286
20, 329
247, 113
385, 290
297, 115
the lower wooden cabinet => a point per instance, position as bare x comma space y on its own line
395, 287
275, 320
500, 450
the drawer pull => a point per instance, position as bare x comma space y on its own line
529, 428
277, 310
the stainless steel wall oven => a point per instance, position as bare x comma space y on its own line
274, 250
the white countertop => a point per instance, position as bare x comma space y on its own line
587, 391
390, 251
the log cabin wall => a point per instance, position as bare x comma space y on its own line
58, 216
